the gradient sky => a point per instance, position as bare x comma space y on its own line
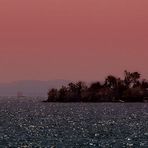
72, 39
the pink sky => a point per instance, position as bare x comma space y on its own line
72, 39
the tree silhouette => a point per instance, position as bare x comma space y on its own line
95, 86
114, 89
63, 94
131, 79
52, 95
111, 82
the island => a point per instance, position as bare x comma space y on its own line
114, 89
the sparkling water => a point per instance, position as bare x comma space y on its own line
28, 122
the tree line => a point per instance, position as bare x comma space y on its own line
114, 89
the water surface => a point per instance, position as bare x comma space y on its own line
28, 122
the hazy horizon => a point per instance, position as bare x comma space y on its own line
33, 80
73, 40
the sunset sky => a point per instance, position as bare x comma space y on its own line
72, 39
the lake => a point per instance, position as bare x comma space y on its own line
27, 122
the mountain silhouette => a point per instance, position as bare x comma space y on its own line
30, 87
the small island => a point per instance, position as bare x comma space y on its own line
114, 89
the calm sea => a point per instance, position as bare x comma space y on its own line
27, 123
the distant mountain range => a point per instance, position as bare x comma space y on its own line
30, 87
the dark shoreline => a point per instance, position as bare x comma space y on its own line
45, 101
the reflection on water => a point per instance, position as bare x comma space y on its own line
28, 122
